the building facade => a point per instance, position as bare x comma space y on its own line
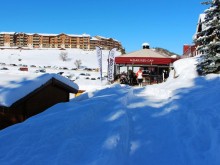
39, 40
190, 50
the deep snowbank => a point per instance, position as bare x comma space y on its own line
177, 122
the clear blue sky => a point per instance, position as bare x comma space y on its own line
162, 23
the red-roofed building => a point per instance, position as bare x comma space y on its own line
155, 62
189, 50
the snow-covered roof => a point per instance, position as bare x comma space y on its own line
202, 17
7, 32
48, 34
94, 39
71, 35
145, 44
44, 34
105, 38
200, 22
200, 25
77, 35
16, 86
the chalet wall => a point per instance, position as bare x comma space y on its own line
45, 99
35, 104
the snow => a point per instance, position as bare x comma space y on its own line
49, 59
7, 32
44, 34
94, 39
106, 38
42, 57
175, 122
145, 44
201, 21
16, 86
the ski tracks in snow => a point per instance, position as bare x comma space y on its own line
127, 134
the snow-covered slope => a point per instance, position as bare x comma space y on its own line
51, 57
176, 122
50, 61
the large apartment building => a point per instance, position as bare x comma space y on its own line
39, 40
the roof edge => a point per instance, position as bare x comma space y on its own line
53, 81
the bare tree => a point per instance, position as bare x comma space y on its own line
64, 56
78, 63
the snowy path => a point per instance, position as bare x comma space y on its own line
122, 125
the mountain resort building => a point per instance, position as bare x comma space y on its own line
40, 40
155, 65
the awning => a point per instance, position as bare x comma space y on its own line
144, 57
143, 61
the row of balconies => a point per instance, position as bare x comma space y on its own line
82, 46
47, 43
21, 41
39, 36
68, 44
59, 46
66, 41
20, 36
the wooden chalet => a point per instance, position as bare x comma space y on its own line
51, 90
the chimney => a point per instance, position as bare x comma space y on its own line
145, 46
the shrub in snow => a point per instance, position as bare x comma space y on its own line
64, 56
78, 63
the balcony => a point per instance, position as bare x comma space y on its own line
46, 45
